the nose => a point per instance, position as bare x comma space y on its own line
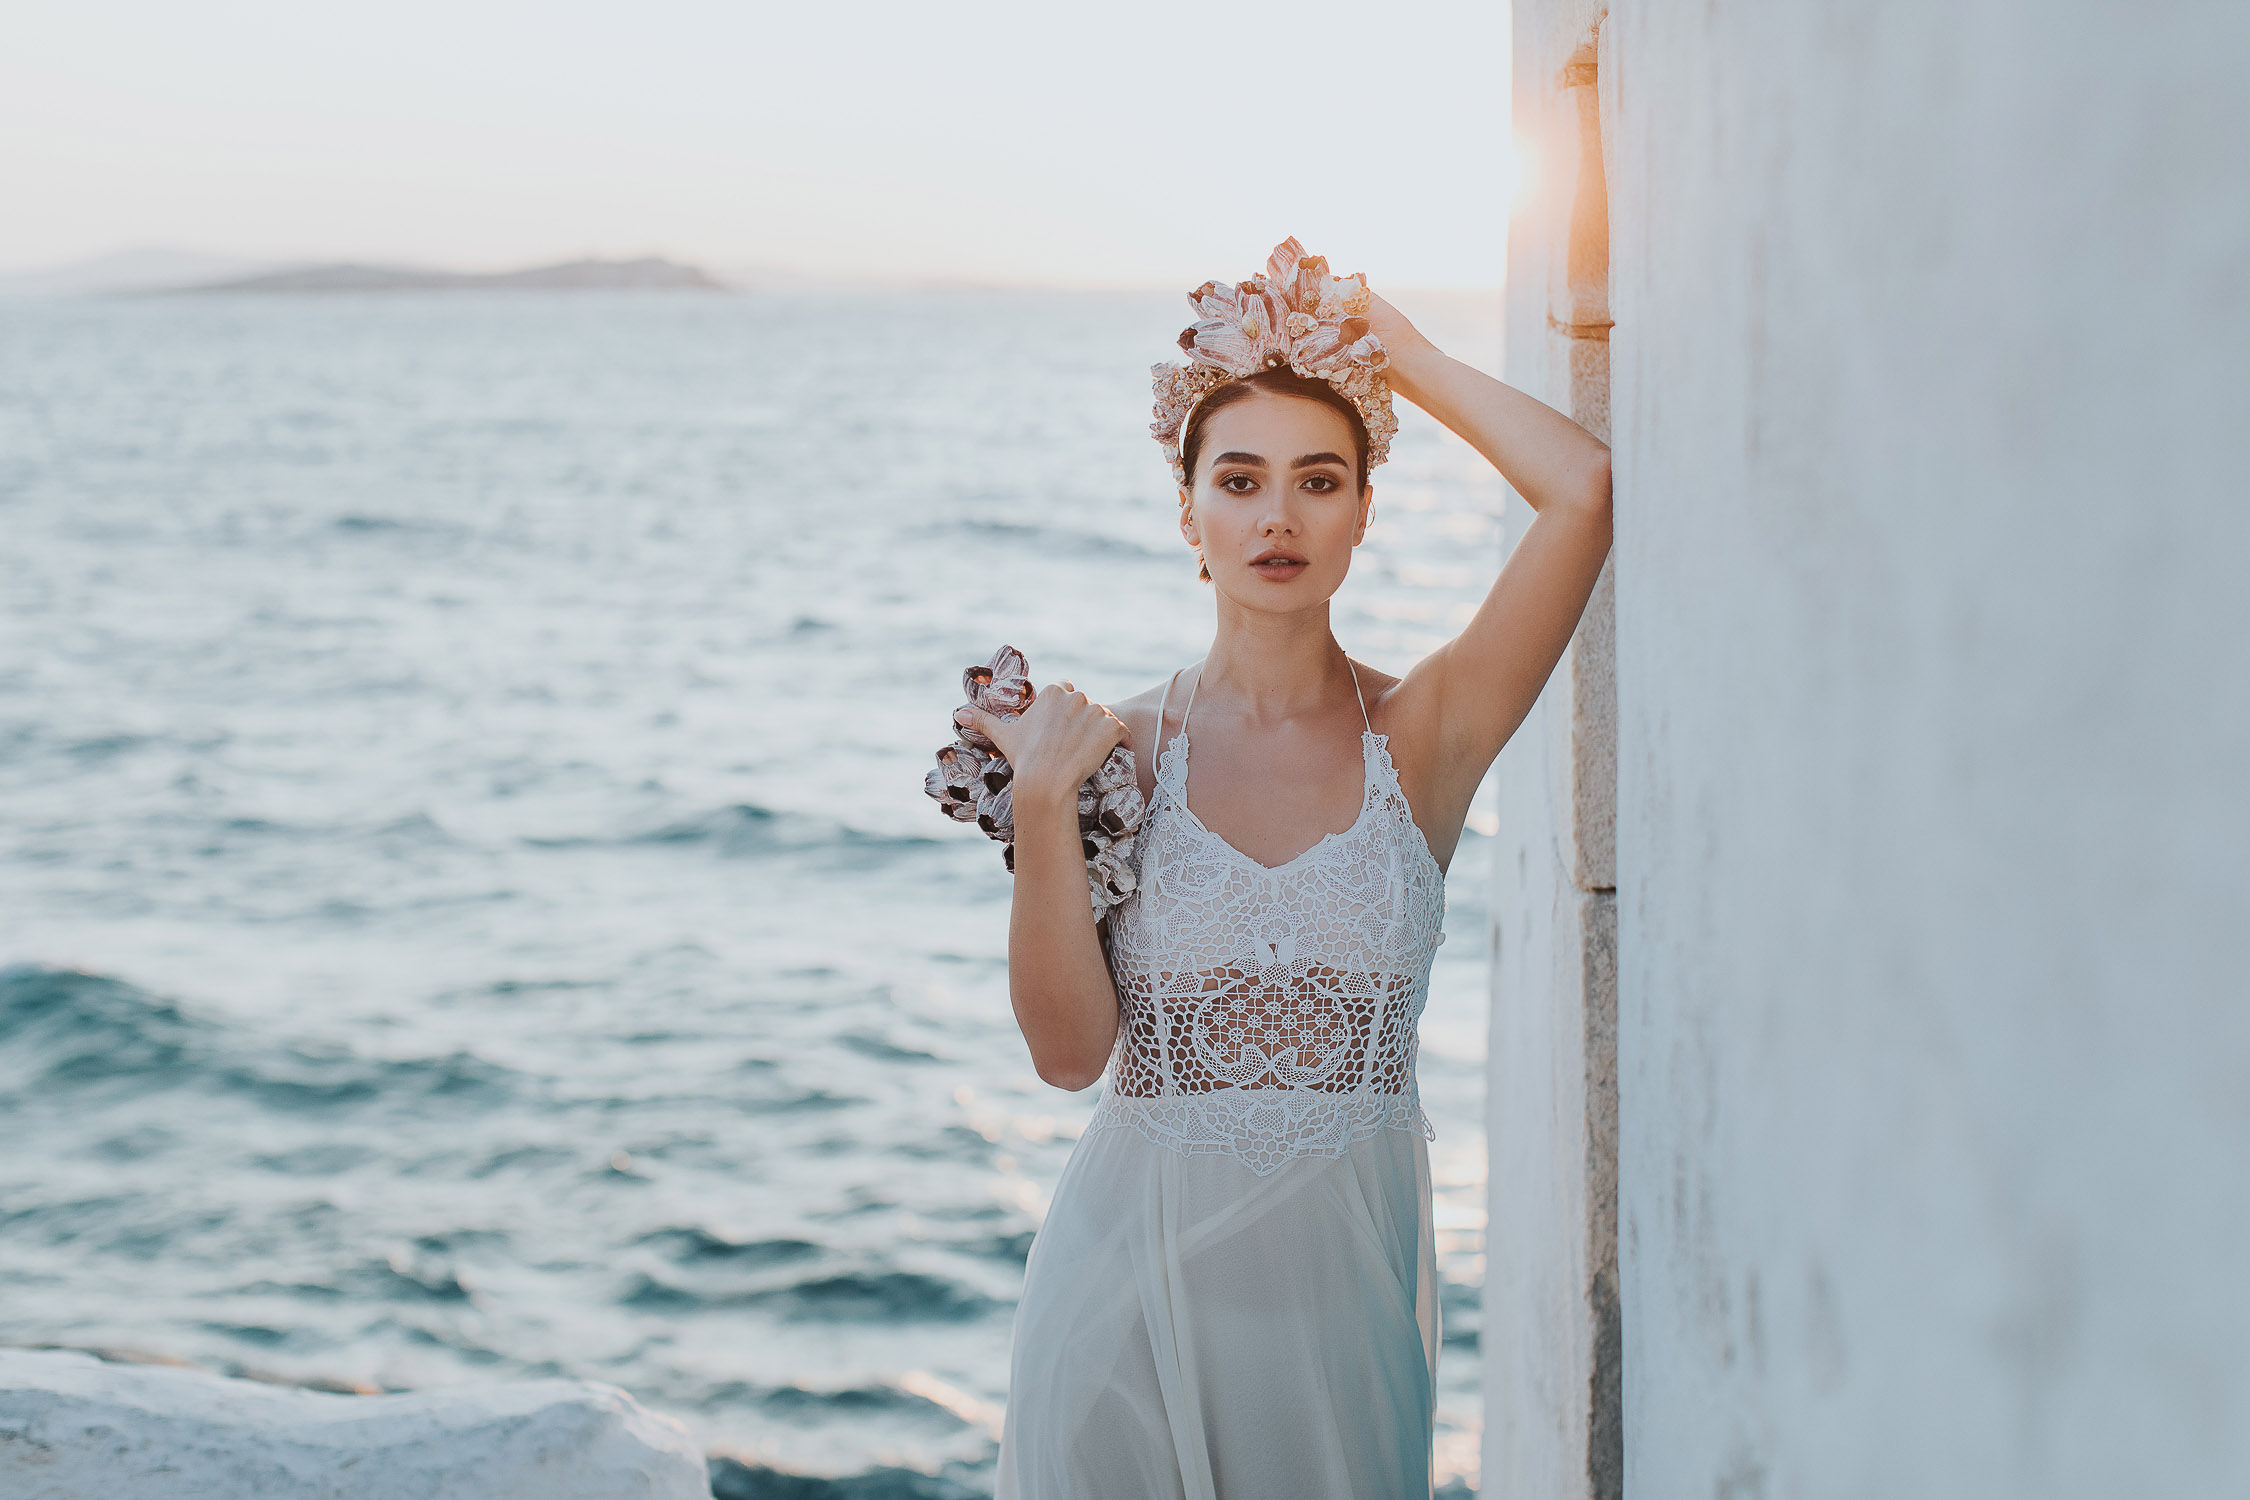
1280, 518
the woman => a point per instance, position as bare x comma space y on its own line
1234, 1292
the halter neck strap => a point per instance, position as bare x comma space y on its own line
1365, 722
1164, 703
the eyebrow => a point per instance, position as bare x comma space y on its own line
1309, 461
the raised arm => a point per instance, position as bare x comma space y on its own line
1058, 976
1466, 698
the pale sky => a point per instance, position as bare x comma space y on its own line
1149, 143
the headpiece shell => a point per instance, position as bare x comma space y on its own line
1295, 314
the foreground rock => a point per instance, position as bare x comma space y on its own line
73, 1427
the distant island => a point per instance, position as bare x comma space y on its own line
574, 275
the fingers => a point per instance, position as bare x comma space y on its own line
1064, 704
1063, 698
978, 726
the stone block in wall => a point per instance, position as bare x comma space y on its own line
1552, 1340
1586, 365
1605, 1353
1593, 739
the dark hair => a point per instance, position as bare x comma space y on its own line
1278, 381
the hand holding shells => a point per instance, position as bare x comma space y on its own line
1392, 327
1062, 739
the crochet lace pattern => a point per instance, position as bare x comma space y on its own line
1270, 1013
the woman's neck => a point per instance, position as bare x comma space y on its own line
1274, 667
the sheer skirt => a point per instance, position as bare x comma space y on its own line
1191, 1328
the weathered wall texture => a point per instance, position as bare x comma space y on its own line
1552, 1357
1932, 742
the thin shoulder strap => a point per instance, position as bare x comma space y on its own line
1191, 697
1163, 703
1359, 695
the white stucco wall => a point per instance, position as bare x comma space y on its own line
1551, 1296
1933, 741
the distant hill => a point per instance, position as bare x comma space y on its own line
575, 275
143, 269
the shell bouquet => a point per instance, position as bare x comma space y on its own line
973, 783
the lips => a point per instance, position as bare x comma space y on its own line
1278, 563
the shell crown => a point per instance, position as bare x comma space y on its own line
1294, 314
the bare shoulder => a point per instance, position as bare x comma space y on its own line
1407, 712
1142, 733
1396, 707
1407, 707
1378, 687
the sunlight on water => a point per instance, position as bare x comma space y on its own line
473, 912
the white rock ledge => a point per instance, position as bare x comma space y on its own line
73, 1427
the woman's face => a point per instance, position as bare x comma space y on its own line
1276, 505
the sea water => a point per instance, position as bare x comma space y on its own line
468, 905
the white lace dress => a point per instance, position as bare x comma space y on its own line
1234, 1293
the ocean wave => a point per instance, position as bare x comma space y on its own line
1042, 541
63, 1030
799, 1402
106, 745
370, 523
745, 830
735, 1478
882, 1049
1012, 1248
694, 1242
395, 1280
835, 1297
880, 1297
805, 1407
398, 1280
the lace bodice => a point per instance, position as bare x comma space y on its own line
1271, 1012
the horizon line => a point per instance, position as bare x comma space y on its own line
733, 276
